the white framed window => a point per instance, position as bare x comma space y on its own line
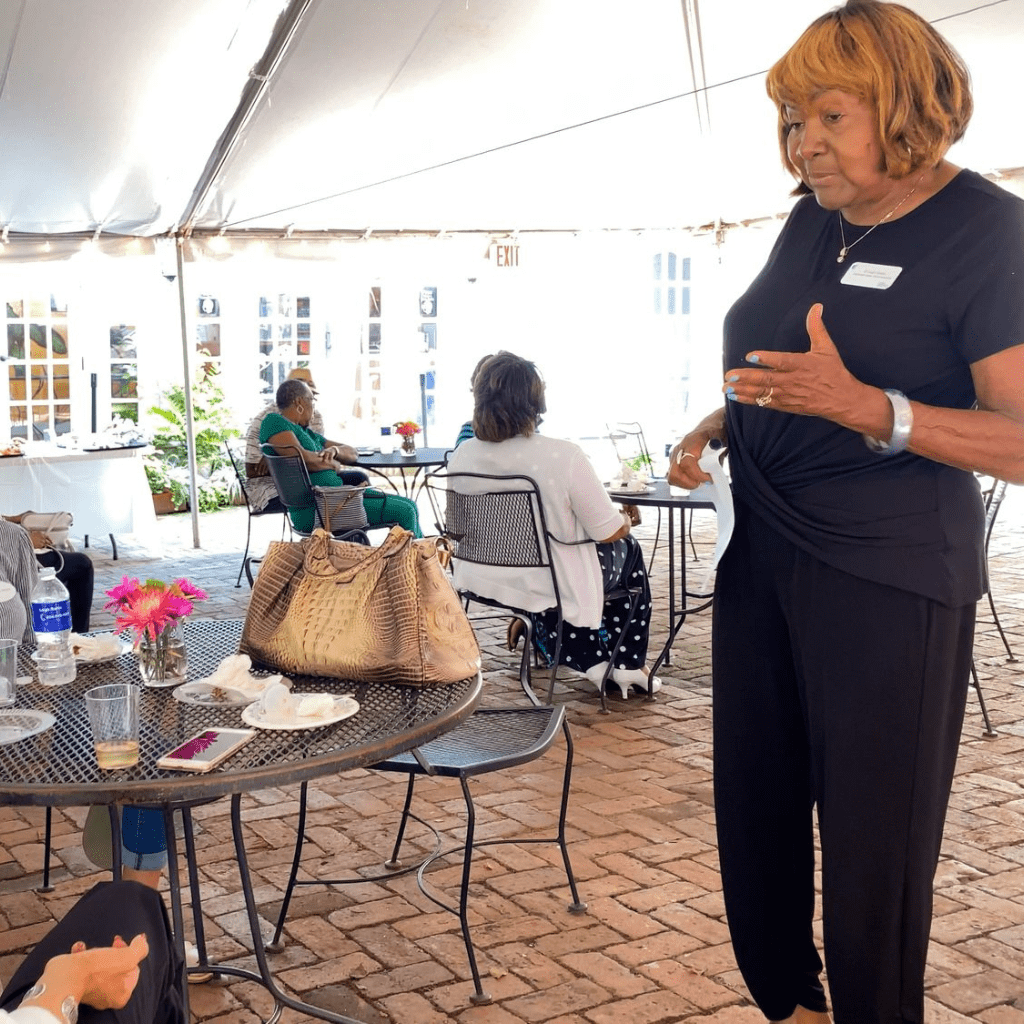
285, 336
38, 396
124, 373
671, 284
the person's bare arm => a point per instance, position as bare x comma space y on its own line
620, 532
343, 453
103, 978
683, 470
286, 443
988, 440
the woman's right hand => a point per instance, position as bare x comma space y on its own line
683, 470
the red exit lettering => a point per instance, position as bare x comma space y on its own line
507, 255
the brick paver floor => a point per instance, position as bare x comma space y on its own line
653, 946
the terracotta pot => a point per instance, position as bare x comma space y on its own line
163, 505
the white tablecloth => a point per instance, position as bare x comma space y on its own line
106, 492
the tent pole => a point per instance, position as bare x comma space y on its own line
190, 430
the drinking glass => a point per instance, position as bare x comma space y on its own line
114, 716
8, 671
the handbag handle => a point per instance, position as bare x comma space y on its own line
318, 562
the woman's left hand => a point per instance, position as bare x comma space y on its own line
812, 383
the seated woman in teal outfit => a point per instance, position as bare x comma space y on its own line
287, 432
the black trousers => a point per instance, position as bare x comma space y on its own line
76, 574
848, 696
107, 910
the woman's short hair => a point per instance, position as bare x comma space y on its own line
917, 84
508, 398
289, 392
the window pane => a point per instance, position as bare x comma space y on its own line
40, 421
61, 381
374, 302
686, 269
285, 304
126, 410
374, 337
37, 333
62, 419
19, 419
16, 341
17, 383
15, 308
684, 304
671, 266
671, 296
58, 305
59, 339
657, 266
38, 306
302, 307
284, 332
122, 342
40, 382
657, 301
208, 338
124, 380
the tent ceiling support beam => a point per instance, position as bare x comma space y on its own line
259, 79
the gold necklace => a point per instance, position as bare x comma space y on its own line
841, 258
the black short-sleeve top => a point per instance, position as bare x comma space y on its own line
958, 297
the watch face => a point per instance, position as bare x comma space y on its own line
69, 1010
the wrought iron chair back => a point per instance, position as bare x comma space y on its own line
251, 513
499, 521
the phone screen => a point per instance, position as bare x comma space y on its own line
206, 746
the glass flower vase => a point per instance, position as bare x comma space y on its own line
409, 444
163, 661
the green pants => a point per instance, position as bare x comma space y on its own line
391, 508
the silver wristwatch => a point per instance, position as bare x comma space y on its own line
68, 1009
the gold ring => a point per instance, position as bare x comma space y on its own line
765, 400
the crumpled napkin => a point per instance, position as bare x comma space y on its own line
279, 705
95, 648
234, 673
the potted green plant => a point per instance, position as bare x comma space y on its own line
167, 470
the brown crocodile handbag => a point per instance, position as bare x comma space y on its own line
333, 608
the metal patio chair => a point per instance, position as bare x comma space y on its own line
490, 740
993, 497
273, 509
503, 525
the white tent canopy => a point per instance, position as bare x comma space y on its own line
140, 118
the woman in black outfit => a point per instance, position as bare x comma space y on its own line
872, 367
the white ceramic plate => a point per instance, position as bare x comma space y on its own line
648, 489
208, 695
344, 707
90, 661
18, 724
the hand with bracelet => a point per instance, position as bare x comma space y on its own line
82, 968
816, 383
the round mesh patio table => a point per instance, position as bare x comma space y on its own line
57, 767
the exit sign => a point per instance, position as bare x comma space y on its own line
505, 254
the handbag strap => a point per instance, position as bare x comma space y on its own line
318, 561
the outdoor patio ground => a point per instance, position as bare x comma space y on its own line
654, 945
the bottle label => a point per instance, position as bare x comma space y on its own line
51, 617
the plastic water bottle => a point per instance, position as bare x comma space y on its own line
51, 620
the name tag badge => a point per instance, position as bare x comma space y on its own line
871, 275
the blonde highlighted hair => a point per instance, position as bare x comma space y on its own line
917, 84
